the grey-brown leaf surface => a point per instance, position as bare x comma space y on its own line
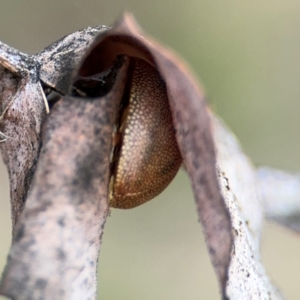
21, 92
192, 124
55, 249
59, 60
247, 277
193, 134
23, 114
57, 236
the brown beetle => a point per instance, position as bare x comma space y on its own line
146, 156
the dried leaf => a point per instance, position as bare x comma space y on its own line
247, 277
194, 137
21, 96
67, 199
23, 109
55, 249
59, 60
192, 124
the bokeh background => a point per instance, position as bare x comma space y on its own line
247, 55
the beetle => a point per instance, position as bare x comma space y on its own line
146, 155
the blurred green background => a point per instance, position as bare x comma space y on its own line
247, 54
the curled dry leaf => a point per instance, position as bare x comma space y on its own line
247, 277
190, 120
55, 249
59, 60
193, 134
23, 112
67, 199
24, 80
